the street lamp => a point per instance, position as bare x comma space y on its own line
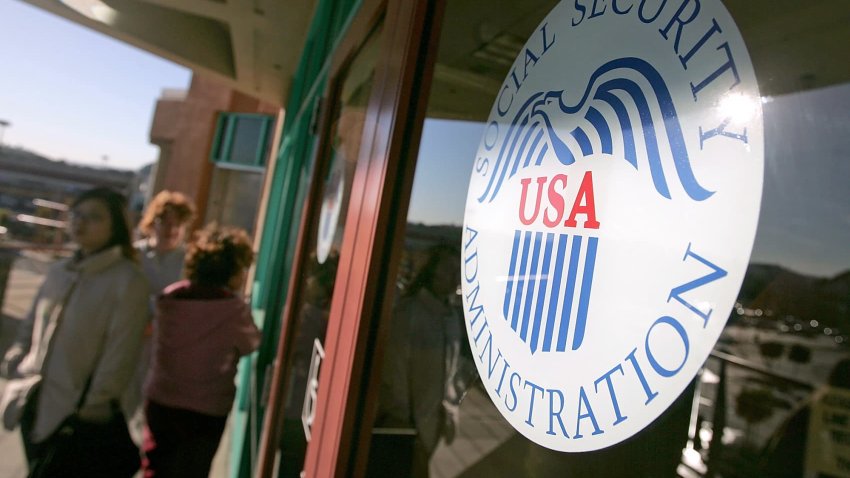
3, 125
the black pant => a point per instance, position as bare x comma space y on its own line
90, 450
31, 449
180, 443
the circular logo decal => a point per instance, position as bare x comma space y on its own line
611, 215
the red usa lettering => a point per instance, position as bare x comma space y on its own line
556, 196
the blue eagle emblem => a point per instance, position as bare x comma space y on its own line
550, 275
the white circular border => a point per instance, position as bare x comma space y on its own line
647, 244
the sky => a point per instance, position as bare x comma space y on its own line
72, 93
445, 147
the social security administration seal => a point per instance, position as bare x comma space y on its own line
610, 216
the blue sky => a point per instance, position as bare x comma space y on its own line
72, 93
446, 147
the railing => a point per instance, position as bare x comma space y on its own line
734, 447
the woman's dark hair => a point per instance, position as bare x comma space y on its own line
216, 254
116, 204
425, 276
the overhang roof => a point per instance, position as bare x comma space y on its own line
250, 45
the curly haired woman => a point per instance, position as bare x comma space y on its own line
203, 327
164, 226
162, 253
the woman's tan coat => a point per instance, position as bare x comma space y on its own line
95, 311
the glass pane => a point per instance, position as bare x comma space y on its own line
772, 389
246, 140
234, 197
324, 239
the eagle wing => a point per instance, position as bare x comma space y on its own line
531, 134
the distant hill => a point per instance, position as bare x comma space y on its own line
421, 236
21, 161
785, 292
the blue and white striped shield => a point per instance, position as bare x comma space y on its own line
548, 288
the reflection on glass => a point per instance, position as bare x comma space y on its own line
774, 390
418, 391
324, 240
235, 196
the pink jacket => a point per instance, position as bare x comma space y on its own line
199, 336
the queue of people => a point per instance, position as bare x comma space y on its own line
113, 331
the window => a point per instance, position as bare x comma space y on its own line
752, 409
242, 140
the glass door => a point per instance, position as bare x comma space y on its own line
327, 324
344, 117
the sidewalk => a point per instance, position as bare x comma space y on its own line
25, 278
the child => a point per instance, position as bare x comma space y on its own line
203, 327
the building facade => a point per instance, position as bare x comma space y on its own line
189, 129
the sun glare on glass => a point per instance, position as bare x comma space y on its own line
739, 107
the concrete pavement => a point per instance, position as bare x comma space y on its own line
24, 280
